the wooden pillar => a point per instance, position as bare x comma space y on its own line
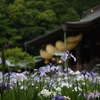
78, 57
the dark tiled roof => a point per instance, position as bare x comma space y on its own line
90, 20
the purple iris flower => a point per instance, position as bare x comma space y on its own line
94, 74
12, 74
85, 73
25, 72
51, 84
73, 57
42, 72
93, 95
37, 78
12, 85
66, 54
3, 86
6, 75
48, 68
58, 97
39, 71
75, 85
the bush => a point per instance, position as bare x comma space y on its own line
18, 59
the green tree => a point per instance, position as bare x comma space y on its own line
18, 58
23, 20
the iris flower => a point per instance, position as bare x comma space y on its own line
48, 68
42, 72
3, 86
84, 74
93, 95
66, 55
58, 97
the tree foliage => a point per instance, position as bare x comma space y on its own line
17, 58
23, 20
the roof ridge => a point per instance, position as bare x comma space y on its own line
87, 12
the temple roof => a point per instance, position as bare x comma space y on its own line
90, 18
90, 21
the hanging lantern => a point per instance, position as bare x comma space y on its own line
51, 49
74, 38
60, 45
70, 39
73, 41
71, 46
79, 37
44, 54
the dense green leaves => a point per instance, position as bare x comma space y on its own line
18, 58
23, 20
